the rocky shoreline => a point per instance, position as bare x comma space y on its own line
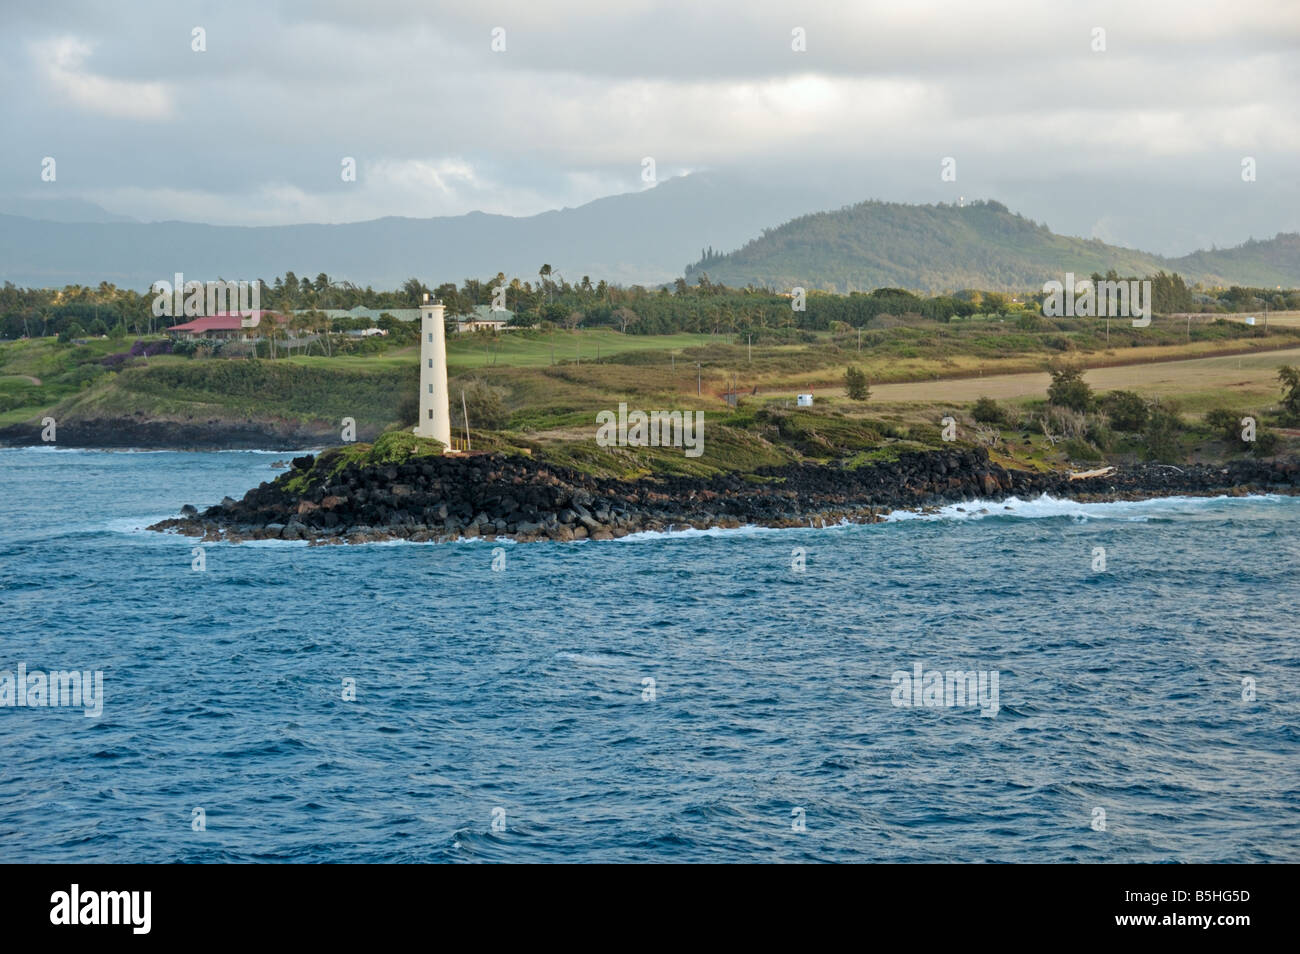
494, 496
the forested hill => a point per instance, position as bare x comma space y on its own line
935, 248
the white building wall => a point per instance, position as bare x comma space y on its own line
435, 410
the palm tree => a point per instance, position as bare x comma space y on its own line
305, 321
545, 273
321, 325
413, 288
1289, 377
270, 329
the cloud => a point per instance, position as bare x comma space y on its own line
414, 188
440, 124
63, 61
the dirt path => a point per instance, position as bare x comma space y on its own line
1249, 372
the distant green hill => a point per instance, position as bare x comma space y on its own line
935, 248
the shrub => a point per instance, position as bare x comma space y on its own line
855, 383
1098, 434
1290, 378
396, 447
1068, 389
1265, 442
985, 410
71, 331
1061, 422
1228, 426
1224, 423
1126, 410
927, 434
1077, 449
486, 404
1160, 437
84, 374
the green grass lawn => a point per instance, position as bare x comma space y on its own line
541, 349
61, 369
550, 407
519, 350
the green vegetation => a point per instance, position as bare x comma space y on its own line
537, 390
855, 384
1239, 433
524, 348
1290, 378
985, 410
1160, 437
1126, 410
392, 447
980, 245
996, 261
1068, 389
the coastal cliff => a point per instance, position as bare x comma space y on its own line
137, 433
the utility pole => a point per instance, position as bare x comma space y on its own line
465, 411
699, 378
859, 337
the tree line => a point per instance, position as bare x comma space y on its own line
551, 300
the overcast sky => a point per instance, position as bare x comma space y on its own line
254, 129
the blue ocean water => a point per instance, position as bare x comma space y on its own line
503, 715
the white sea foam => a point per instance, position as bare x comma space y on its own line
1038, 508
43, 449
134, 525
688, 533
139, 526
589, 659
1046, 506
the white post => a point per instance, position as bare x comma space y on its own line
435, 409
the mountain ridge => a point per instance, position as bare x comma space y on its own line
943, 247
643, 237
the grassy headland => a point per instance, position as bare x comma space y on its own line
921, 371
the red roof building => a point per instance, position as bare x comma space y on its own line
225, 325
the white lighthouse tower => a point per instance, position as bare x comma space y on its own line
435, 409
